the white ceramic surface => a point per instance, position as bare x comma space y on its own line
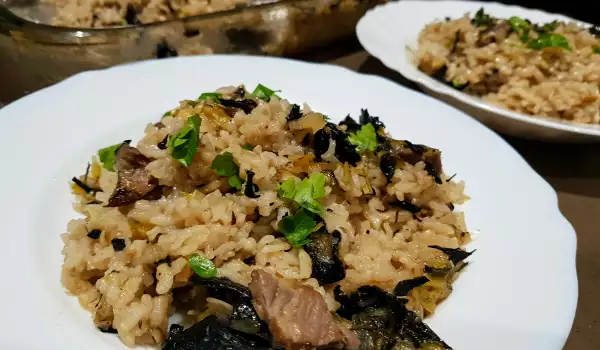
389, 31
519, 292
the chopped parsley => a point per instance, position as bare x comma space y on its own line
481, 19
549, 40
364, 139
225, 166
596, 49
202, 266
248, 147
306, 192
167, 114
210, 96
550, 26
298, 227
264, 93
107, 155
521, 27
184, 145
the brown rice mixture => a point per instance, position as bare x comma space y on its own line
265, 226
108, 13
550, 69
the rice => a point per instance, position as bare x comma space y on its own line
99, 14
135, 290
502, 69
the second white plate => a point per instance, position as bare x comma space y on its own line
388, 31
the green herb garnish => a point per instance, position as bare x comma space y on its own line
481, 19
225, 166
298, 227
364, 139
248, 147
167, 114
550, 26
264, 93
306, 192
596, 49
549, 40
210, 96
521, 27
326, 118
107, 156
184, 145
202, 266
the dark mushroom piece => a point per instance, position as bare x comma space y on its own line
405, 286
387, 165
94, 234
351, 124
246, 105
294, 113
321, 143
244, 317
250, 189
327, 267
239, 93
163, 144
223, 288
381, 321
211, 333
131, 15
118, 244
344, 150
412, 154
366, 118
455, 255
84, 186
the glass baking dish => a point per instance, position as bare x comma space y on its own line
34, 55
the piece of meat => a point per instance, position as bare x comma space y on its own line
128, 158
296, 317
134, 181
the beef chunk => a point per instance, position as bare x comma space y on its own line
295, 316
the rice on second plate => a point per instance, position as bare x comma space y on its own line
550, 69
265, 225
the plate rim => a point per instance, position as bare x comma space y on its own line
548, 192
408, 70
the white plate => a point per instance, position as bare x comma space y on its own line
387, 32
520, 291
